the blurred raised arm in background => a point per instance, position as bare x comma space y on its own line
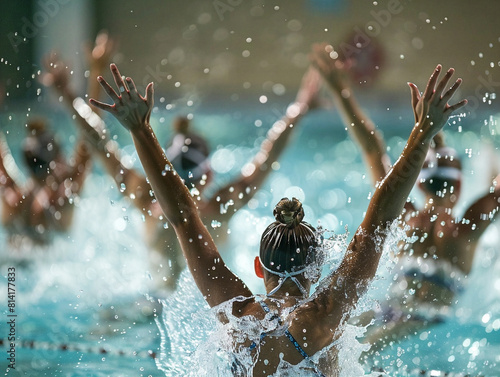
436, 265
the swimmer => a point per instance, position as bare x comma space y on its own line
297, 326
189, 154
32, 212
436, 265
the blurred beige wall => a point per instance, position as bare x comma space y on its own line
257, 46
187, 39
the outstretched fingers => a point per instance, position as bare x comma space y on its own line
102, 105
108, 89
456, 106
122, 87
415, 97
442, 84
135, 93
150, 94
130, 109
431, 84
131, 85
415, 94
450, 92
110, 92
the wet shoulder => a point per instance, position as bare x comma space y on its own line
317, 323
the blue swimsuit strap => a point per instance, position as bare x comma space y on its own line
297, 345
290, 337
264, 334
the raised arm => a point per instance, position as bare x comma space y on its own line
360, 263
98, 59
11, 194
7, 182
130, 183
57, 75
361, 128
215, 281
253, 174
481, 213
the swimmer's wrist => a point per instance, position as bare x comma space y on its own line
422, 133
141, 129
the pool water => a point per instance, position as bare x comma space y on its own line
90, 290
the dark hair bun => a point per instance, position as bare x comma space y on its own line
289, 212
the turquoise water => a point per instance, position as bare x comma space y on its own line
88, 290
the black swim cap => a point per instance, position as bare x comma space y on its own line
441, 163
40, 148
188, 153
288, 244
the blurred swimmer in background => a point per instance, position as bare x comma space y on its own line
36, 208
430, 272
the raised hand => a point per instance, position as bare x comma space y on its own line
330, 64
99, 56
130, 108
431, 109
57, 72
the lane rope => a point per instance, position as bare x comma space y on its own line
72, 347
